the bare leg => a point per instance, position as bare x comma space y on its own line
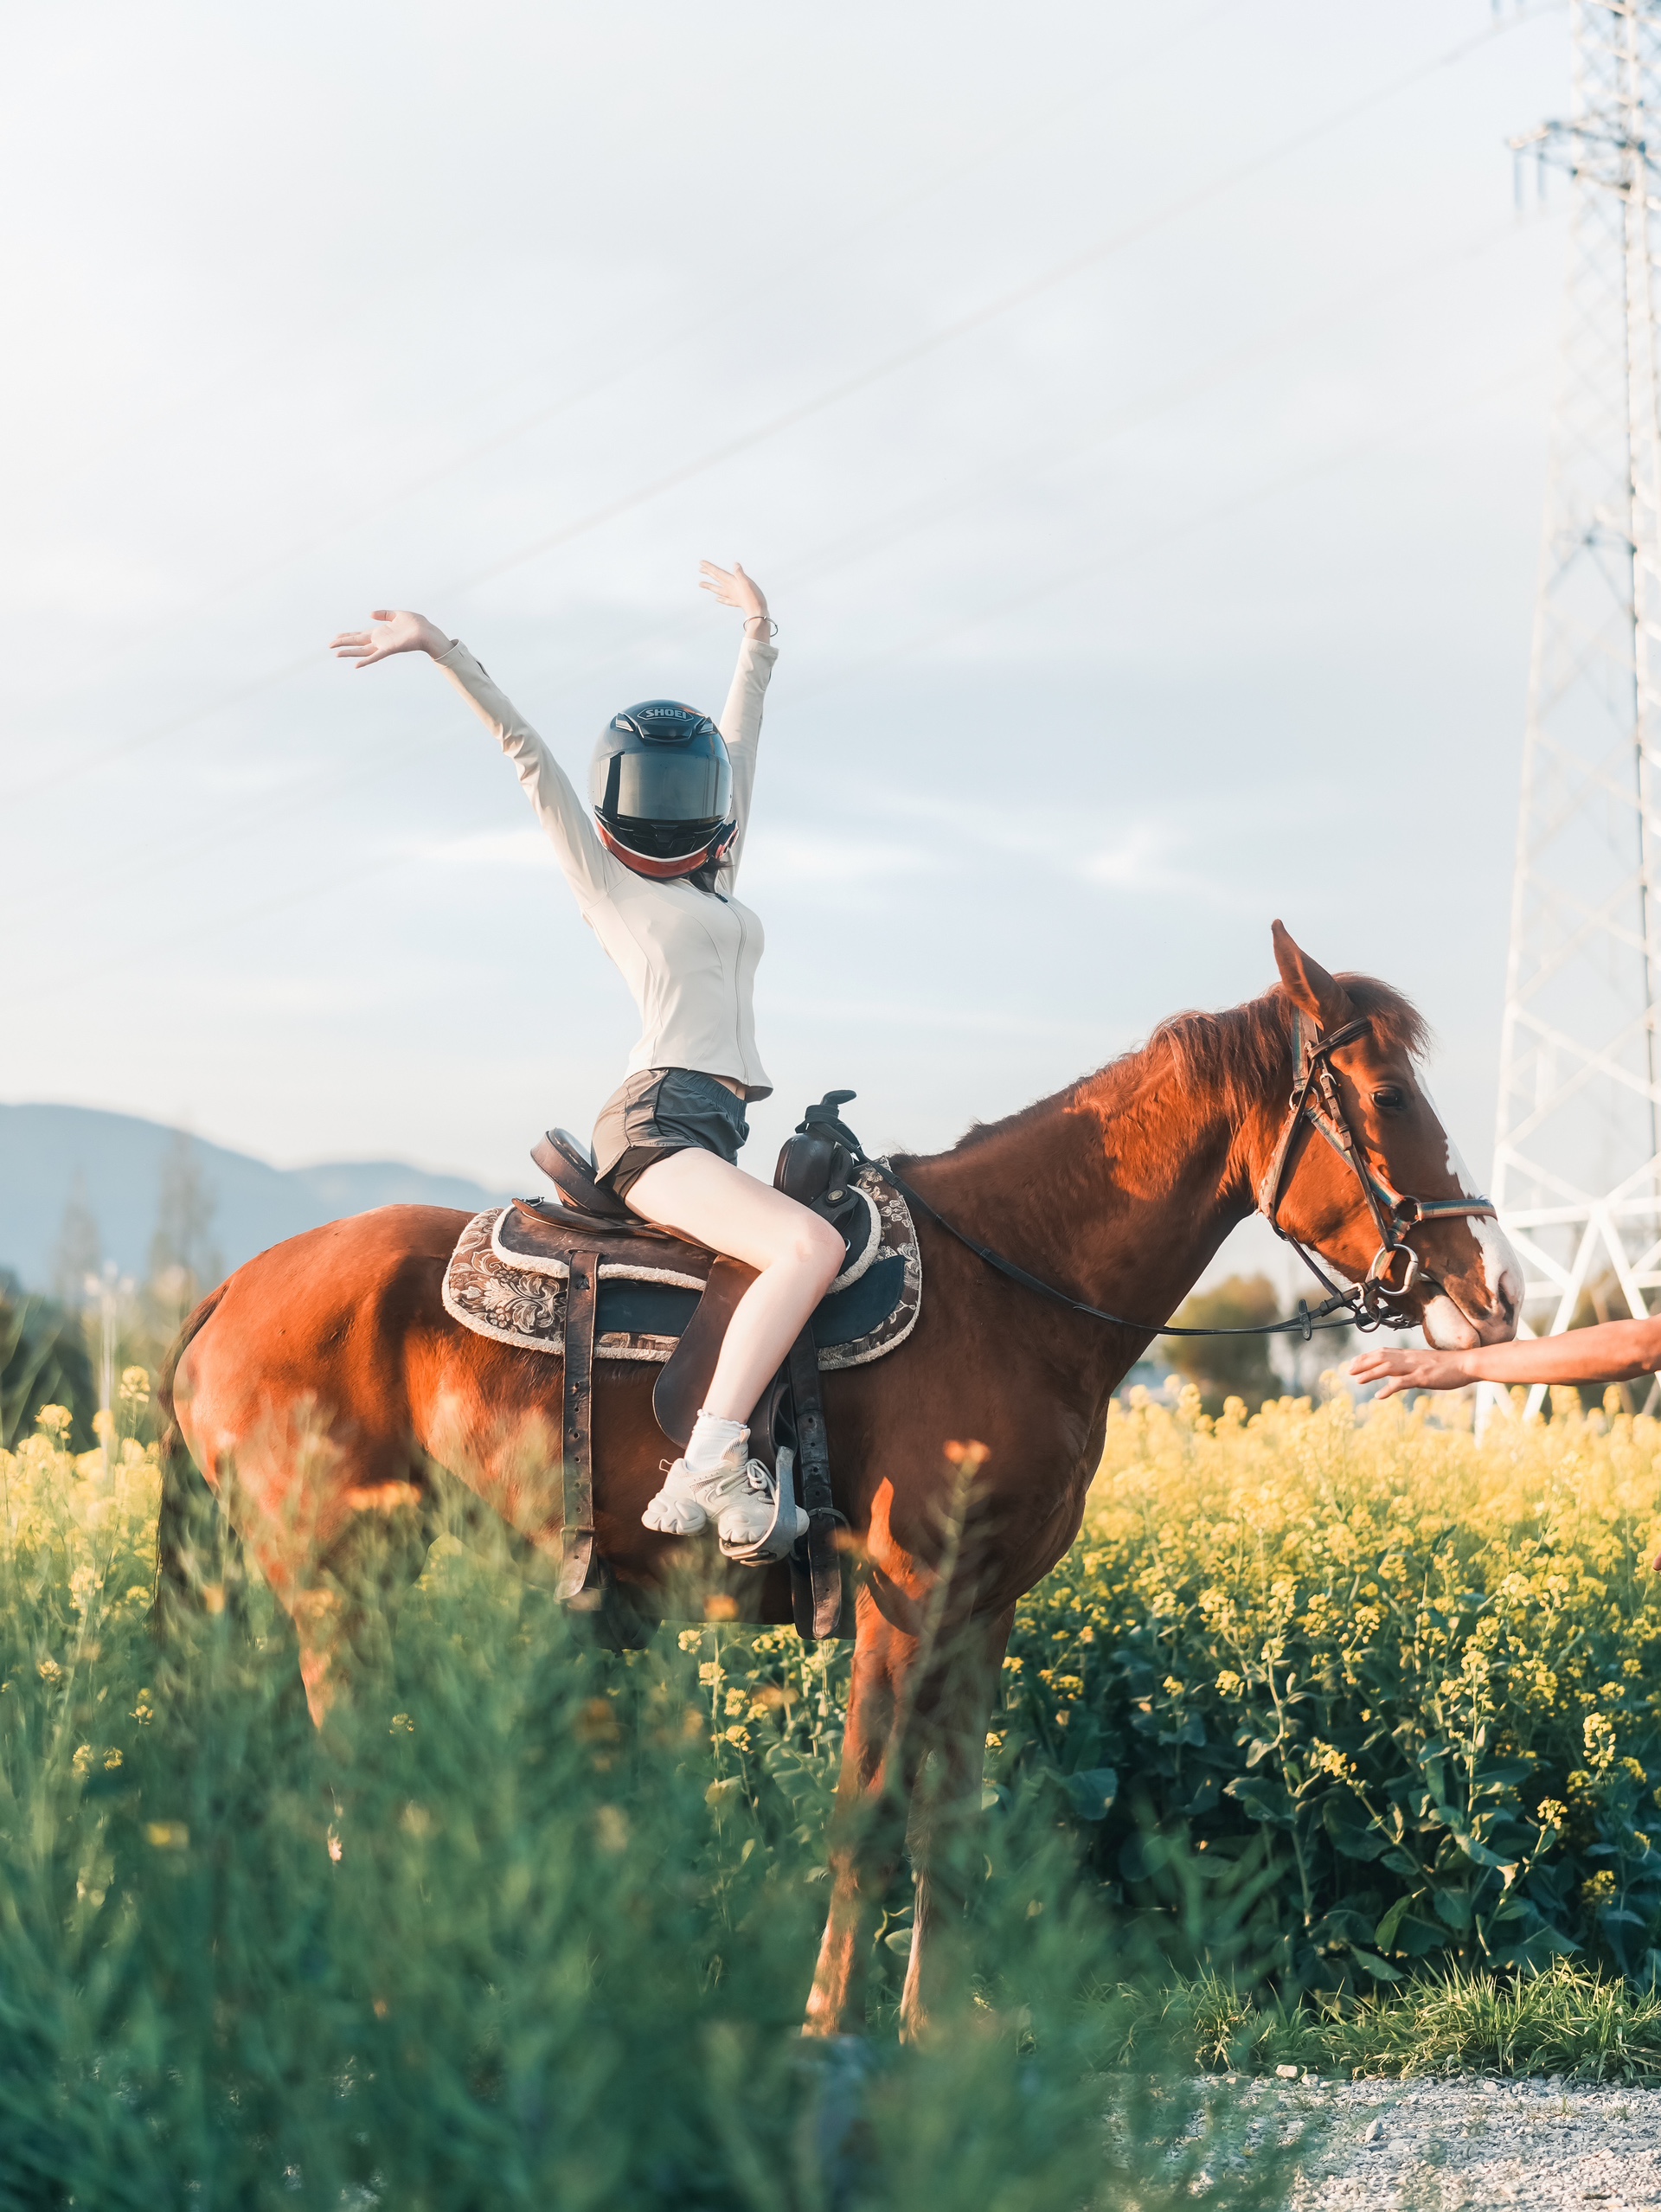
799, 1257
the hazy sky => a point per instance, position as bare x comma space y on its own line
1137, 417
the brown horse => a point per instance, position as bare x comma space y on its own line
322, 1385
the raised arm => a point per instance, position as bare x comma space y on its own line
740, 718
1615, 1351
588, 866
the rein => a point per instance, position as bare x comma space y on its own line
1316, 1103
1304, 1323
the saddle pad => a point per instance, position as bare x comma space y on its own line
517, 1297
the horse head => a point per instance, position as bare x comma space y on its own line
1384, 1199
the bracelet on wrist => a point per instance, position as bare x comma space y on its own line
772, 627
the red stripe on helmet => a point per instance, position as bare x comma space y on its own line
665, 871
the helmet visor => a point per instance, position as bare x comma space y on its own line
664, 840
665, 786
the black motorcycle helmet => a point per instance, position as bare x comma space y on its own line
662, 788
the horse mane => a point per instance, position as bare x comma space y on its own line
1243, 1051
1248, 1049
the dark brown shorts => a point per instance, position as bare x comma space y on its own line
660, 1111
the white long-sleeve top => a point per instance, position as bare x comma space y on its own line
688, 956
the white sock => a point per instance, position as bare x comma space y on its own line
711, 1441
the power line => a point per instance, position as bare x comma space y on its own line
793, 417
460, 245
84, 764
980, 318
49, 988
1130, 414
837, 553
749, 301
1064, 579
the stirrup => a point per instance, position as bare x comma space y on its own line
789, 1524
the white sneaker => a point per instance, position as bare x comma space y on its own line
756, 1516
676, 1511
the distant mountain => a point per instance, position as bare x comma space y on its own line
72, 1177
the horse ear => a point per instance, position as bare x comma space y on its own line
1307, 983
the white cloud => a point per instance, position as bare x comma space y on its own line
1137, 860
488, 848
785, 858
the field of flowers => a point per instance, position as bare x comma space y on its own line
1318, 1702
1406, 1685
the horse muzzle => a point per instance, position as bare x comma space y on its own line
1458, 1307
1479, 1305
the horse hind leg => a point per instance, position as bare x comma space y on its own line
334, 1531
342, 1598
197, 1560
191, 1534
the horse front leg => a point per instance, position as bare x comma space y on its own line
945, 1827
879, 1768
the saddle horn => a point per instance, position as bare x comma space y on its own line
826, 1119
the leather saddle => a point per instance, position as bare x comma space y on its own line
585, 1221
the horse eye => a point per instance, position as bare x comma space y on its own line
1389, 1099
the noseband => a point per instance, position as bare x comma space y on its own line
1316, 1103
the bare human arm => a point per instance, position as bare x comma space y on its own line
1615, 1351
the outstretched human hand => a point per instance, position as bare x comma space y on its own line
1613, 1351
734, 589
396, 630
1397, 1371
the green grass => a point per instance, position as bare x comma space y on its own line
1563, 2020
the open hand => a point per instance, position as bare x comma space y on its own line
396, 630
734, 589
1399, 1371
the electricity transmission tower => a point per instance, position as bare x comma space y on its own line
1577, 1172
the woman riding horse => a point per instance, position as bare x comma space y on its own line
327, 1398
653, 869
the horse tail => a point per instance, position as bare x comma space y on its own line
188, 1504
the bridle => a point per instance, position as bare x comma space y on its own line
1316, 1103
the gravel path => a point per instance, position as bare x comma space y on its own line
1439, 2146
